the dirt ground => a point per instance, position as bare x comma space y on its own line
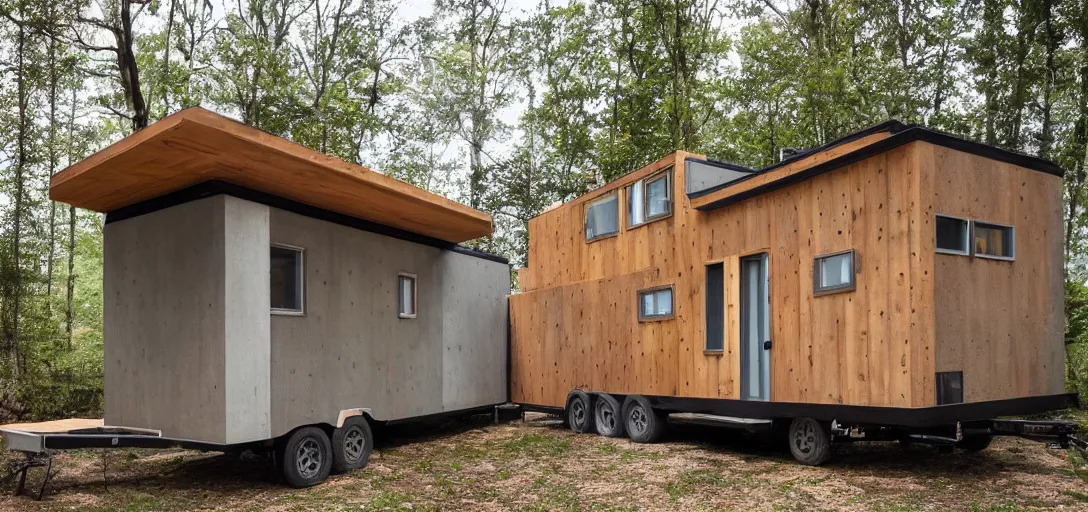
539, 466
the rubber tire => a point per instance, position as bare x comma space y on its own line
288, 450
580, 403
341, 461
810, 442
607, 404
655, 423
975, 443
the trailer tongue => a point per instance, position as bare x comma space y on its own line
38, 441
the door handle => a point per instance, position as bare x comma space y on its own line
767, 345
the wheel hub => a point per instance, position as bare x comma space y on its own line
638, 419
354, 444
308, 458
578, 413
804, 438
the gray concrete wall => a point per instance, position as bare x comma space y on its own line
350, 349
247, 327
163, 321
192, 348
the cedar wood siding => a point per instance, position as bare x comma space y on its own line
575, 325
1000, 322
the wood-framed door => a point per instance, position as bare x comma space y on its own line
755, 331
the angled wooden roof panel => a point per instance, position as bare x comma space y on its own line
195, 145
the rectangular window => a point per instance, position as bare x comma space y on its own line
285, 278
602, 217
636, 214
406, 295
715, 307
992, 240
834, 273
649, 199
655, 304
949, 388
952, 235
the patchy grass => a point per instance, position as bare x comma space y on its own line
538, 466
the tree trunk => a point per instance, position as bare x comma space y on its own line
129, 69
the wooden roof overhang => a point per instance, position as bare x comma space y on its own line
194, 146
850, 149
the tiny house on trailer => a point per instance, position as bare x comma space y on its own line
899, 283
258, 293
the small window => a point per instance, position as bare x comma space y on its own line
285, 276
406, 295
715, 307
952, 235
993, 240
655, 304
602, 217
658, 198
949, 388
834, 273
649, 199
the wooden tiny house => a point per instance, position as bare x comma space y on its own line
896, 270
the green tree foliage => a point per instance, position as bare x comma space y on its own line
508, 106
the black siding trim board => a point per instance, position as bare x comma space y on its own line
906, 136
217, 187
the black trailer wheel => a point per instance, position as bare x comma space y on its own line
810, 442
608, 416
975, 443
351, 445
642, 422
305, 457
580, 412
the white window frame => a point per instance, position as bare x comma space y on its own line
968, 239
1012, 240
818, 290
415, 295
654, 291
301, 311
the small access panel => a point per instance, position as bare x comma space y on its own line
755, 338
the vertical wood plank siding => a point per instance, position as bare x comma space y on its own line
913, 312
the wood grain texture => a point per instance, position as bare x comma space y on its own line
195, 145
55, 426
875, 345
999, 322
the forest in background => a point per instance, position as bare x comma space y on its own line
507, 108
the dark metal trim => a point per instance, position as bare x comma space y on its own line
445, 414
900, 138
893, 126
217, 187
869, 415
547, 409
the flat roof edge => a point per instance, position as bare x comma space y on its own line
906, 136
213, 188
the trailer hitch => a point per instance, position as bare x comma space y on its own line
1056, 434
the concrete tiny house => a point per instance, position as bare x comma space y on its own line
899, 283
260, 293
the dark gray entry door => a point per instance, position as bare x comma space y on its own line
755, 346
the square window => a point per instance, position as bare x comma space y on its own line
602, 217
834, 273
655, 304
406, 295
992, 240
952, 235
285, 279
